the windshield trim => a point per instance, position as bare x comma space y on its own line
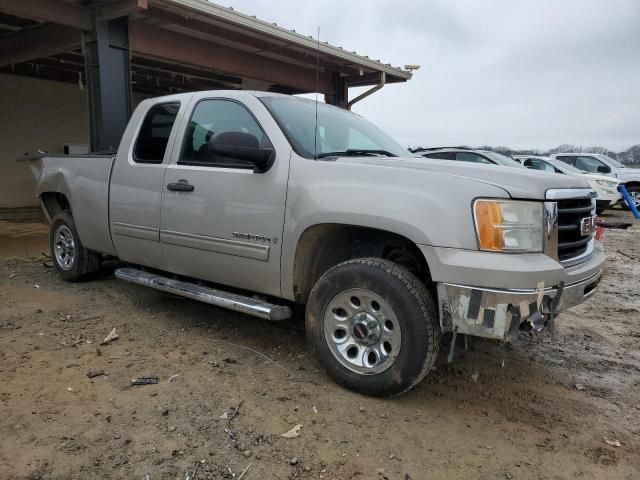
355, 152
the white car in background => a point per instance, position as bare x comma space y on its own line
461, 154
603, 164
605, 186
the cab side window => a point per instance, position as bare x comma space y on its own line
153, 137
215, 116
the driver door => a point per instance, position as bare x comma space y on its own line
224, 224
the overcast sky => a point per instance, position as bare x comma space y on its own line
524, 74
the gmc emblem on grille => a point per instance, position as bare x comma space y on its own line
587, 225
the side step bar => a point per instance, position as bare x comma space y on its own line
219, 298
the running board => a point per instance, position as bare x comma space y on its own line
219, 298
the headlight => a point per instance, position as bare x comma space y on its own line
607, 183
509, 225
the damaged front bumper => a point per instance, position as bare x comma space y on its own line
498, 313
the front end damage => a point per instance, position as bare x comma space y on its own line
501, 313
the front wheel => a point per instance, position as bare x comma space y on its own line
373, 326
634, 193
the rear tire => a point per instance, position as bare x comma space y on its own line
72, 261
373, 326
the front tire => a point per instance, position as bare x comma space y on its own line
72, 261
634, 193
373, 326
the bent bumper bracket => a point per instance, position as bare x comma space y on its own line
498, 313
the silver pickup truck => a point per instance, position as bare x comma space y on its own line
257, 201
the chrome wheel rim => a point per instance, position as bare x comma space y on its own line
362, 331
635, 198
64, 247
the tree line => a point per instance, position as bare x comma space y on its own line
628, 156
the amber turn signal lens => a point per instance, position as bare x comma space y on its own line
489, 223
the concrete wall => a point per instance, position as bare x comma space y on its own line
35, 114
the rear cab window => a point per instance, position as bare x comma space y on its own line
153, 137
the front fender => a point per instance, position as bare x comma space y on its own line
428, 208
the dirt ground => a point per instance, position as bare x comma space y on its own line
556, 410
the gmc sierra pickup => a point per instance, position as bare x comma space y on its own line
244, 200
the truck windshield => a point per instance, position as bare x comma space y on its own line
340, 132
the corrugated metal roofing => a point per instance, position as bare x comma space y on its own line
247, 22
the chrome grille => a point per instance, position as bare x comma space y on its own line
571, 242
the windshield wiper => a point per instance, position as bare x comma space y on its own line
354, 152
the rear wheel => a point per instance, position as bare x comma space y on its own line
71, 259
373, 326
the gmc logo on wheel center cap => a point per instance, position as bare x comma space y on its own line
587, 225
360, 331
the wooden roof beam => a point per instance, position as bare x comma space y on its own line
75, 16
180, 48
121, 8
50, 11
37, 42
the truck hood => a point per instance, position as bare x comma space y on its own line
517, 182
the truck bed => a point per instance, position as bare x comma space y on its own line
84, 181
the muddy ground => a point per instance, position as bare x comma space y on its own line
552, 412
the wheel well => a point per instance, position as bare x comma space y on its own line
324, 246
632, 184
54, 203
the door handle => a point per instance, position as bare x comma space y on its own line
180, 186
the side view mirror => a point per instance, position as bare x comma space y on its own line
603, 169
242, 146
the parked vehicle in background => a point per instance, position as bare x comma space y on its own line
467, 155
606, 187
254, 201
600, 163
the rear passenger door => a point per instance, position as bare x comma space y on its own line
136, 183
